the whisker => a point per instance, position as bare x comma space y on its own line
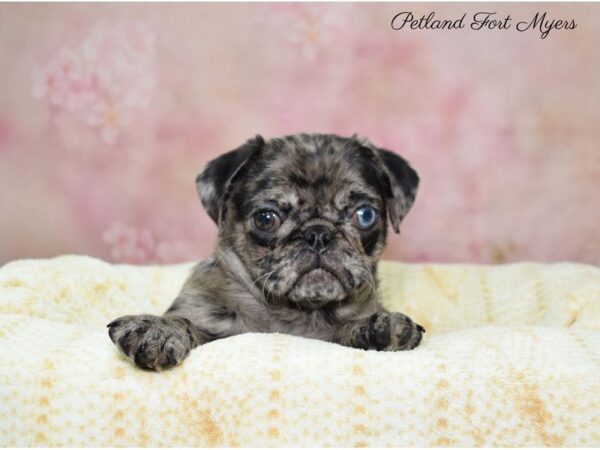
265, 283
370, 281
263, 275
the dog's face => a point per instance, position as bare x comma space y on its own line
307, 214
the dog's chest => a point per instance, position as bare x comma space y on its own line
317, 324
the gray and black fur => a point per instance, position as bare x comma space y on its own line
310, 271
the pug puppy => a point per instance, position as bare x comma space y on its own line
302, 222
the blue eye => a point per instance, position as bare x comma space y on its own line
364, 217
266, 220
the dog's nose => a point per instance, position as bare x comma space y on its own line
318, 238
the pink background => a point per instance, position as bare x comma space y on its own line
107, 112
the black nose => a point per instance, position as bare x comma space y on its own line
318, 238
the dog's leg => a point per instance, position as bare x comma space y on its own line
383, 330
154, 342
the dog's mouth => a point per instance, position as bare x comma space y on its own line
318, 284
318, 275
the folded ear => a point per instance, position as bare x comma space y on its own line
215, 180
401, 185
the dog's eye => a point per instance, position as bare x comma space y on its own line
266, 220
364, 217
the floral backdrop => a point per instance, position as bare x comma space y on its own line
108, 111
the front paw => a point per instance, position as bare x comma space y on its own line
152, 342
388, 331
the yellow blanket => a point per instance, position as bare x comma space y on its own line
511, 357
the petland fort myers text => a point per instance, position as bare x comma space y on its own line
540, 22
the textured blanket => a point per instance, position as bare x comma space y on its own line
511, 357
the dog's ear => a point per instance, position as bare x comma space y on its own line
215, 180
400, 182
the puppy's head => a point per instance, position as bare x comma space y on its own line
307, 214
